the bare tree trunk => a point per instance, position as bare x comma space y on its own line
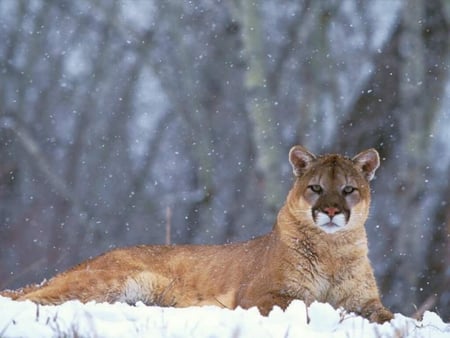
396, 112
265, 127
415, 129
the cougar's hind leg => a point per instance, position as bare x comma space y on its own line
86, 285
103, 286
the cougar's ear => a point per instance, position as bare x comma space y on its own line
300, 159
368, 162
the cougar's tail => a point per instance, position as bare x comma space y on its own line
15, 294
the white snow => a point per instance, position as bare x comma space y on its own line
74, 319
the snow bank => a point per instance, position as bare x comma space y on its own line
74, 319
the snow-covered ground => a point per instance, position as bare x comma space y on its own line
74, 319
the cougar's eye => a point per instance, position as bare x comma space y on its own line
348, 190
316, 188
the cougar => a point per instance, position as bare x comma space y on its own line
316, 251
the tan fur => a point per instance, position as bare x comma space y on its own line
296, 260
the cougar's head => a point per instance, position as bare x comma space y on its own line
331, 191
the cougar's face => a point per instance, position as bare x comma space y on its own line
334, 196
333, 191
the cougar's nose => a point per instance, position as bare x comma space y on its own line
331, 211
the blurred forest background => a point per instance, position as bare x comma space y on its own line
118, 118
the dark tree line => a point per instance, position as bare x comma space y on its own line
119, 118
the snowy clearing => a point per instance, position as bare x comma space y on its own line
74, 319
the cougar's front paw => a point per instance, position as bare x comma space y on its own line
380, 316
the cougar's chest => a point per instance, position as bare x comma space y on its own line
316, 266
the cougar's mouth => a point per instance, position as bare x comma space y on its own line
330, 224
